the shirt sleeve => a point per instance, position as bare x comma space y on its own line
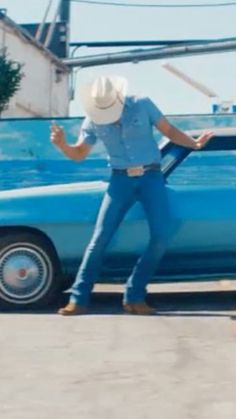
153, 111
87, 133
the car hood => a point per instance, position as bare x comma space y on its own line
54, 190
51, 204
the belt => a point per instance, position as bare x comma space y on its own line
138, 170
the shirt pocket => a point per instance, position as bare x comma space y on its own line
136, 127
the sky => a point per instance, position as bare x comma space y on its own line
107, 23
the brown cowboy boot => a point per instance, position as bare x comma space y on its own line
72, 309
141, 309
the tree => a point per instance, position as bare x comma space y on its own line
10, 79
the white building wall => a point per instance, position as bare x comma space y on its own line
44, 88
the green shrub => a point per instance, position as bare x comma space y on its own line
10, 79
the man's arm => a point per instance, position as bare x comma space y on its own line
179, 137
77, 151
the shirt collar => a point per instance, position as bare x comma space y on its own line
128, 101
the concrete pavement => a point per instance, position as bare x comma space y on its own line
180, 364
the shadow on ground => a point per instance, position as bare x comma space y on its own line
213, 303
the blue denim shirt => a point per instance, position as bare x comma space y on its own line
130, 141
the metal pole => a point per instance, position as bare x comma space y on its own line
152, 54
52, 26
189, 80
42, 24
147, 43
65, 11
65, 18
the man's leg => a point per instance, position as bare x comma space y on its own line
153, 196
119, 197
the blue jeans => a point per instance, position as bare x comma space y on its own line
122, 193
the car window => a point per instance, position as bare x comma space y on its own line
213, 167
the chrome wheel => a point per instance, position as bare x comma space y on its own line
26, 273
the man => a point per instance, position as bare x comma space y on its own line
125, 125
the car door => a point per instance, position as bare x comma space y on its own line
202, 190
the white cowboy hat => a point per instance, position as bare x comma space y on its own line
103, 99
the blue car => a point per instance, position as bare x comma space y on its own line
48, 207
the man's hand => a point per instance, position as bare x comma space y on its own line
57, 136
77, 151
201, 141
